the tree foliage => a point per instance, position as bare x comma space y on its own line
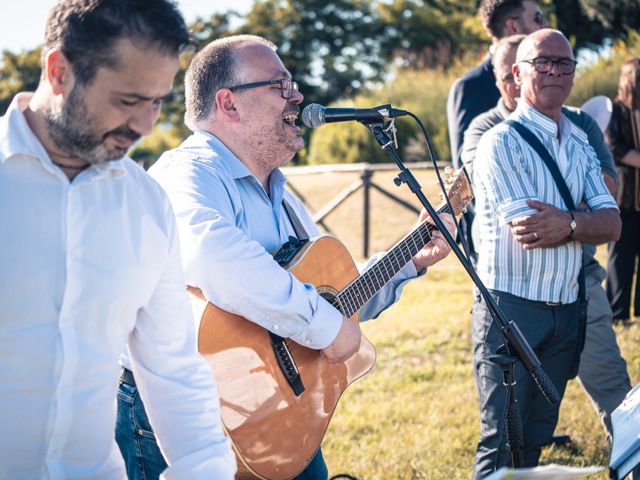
362, 50
18, 72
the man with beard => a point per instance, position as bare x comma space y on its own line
233, 210
90, 257
530, 249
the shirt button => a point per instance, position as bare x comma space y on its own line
307, 342
276, 327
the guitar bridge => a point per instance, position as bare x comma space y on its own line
287, 363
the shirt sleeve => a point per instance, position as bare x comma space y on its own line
501, 171
596, 193
235, 272
391, 292
174, 380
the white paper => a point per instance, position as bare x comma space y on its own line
548, 472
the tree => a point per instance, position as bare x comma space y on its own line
19, 72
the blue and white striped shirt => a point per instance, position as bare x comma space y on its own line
507, 173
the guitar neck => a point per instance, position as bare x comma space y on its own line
371, 281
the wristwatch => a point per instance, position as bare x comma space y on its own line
572, 225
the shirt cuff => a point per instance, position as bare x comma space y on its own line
511, 210
322, 329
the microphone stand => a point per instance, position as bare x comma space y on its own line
514, 339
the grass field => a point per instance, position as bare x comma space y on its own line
415, 416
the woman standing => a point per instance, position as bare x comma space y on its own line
623, 137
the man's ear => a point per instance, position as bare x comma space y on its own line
226, 106
58, 71
515, 69
511, 27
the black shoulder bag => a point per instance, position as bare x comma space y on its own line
548, 160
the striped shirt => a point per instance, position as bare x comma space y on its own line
507, 173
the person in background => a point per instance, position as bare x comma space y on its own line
90, 257
623, 136
523, 222
603, 371
475, 92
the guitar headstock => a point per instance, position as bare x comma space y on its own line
458, 189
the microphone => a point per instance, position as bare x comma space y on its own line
315, 115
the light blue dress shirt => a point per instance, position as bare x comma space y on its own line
229, 227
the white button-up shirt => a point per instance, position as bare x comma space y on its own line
88, 266
507, 173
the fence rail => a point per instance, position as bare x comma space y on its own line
365, 182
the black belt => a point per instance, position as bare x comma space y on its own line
127, 377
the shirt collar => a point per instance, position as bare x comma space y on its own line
17, 138
543, 123
502, 108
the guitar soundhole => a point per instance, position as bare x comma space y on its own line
330, 296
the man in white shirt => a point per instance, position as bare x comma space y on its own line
90, 256
531, 244
229, 195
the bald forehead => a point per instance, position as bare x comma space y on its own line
257, 57
544, 42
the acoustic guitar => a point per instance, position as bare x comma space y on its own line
277, 397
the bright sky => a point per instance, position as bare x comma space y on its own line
22, 23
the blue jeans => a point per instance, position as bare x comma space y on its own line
141, 454
135, 437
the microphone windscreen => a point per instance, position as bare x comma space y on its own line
312, 115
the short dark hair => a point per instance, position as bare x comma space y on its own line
214, 67
495, 13
86, 31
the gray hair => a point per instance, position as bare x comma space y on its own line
504, 46
214, 67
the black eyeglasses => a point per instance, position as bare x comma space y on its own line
287, 86
566, 66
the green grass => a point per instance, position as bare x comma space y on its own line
415, 416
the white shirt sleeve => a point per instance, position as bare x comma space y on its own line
175, 382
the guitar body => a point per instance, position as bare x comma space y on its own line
274, 432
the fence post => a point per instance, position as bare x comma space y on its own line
366, 184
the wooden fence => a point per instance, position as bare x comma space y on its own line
365, 182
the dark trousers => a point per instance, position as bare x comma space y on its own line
552, 332
621, 266
138, 446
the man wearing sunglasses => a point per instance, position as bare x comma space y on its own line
233, 210
475, 92
530, 252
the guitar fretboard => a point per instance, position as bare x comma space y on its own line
371, 281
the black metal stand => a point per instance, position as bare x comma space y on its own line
510, 331
513, 420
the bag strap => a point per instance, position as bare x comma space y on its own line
301, 233
548, 160
551, 164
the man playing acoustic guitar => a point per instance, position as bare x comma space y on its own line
233, 210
